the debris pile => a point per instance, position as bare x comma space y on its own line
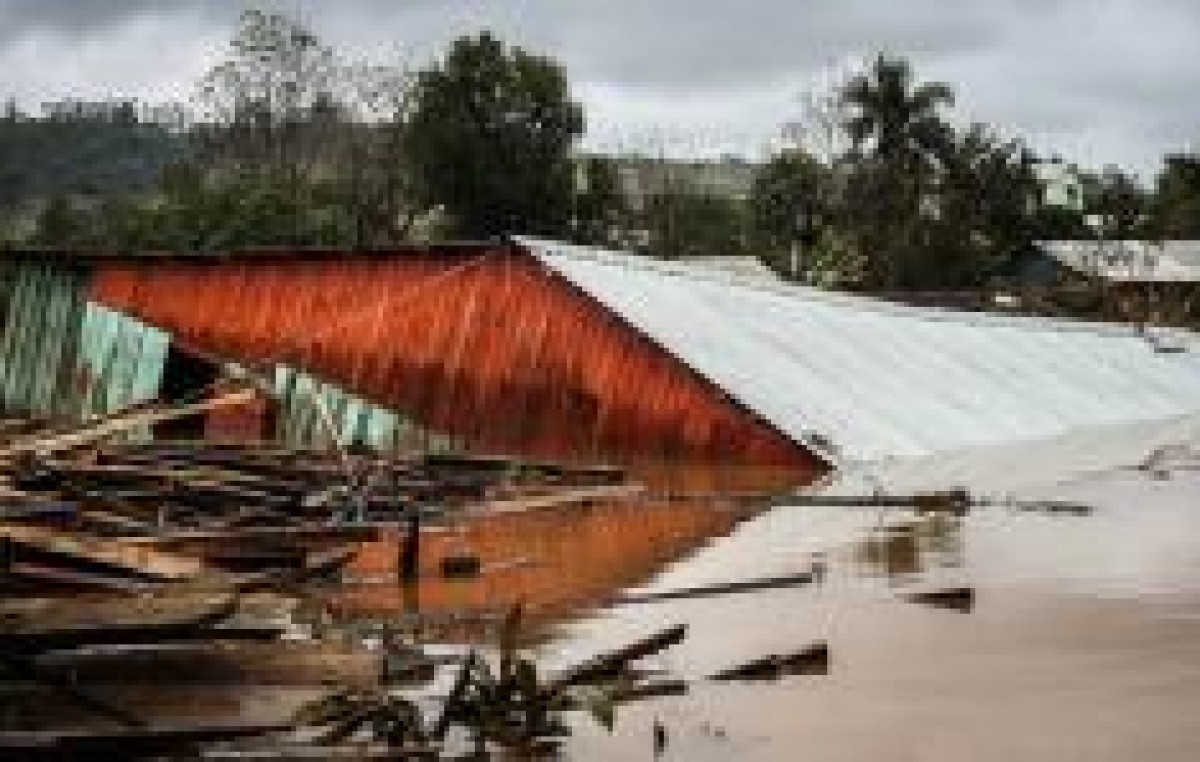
143, 580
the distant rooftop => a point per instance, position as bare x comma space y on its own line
1130, 261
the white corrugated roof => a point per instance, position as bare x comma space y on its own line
1137, 261
749, 267
883, 381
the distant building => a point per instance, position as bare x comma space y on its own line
1129, 261
1062, 185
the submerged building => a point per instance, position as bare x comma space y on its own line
546, 350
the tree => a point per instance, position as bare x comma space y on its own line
680, 222
259, 100
1175, 209
897, 120
602, 215
490, 139
987, 210
896, 132
284, 117
1116, 204
792, 209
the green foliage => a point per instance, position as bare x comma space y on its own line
1175, 210
680, 222
894, 119
987, 215
602, 214
912, 204
897, 133
791, 210
490, 139
239, 211
1118, 202
79, 151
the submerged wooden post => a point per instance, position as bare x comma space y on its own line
8, 554
410, 548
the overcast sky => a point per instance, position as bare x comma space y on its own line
1098, 81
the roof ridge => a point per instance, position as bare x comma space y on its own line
864, 303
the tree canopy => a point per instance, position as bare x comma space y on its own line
491, 137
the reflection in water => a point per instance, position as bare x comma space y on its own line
905, 550
554, 560
560, 558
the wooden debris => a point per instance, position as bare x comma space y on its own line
722, 588
107, 427
32, 625
961, 599
812, 660
214, 662
611, 664
125, 744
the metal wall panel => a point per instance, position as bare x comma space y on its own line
121, 360
312, 412
39, 331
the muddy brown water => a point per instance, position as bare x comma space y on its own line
1083, 642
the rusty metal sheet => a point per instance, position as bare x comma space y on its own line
485, 345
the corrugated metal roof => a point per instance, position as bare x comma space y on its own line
747, 267
881, 381
1135, 261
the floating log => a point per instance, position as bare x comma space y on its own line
35, 510
612, 663
315, 566
109, 557
309, 533
961, 599
812, 660
294, 752
721, 588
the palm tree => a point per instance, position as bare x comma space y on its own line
897, 135
897, 116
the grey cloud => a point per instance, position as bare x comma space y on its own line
1096, 76
82, 18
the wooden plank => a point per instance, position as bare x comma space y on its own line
221, 663
120, 424
44, 624
719, 589
125, 744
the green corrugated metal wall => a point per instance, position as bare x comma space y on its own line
63, 356
301, 398
122, 357
42, 319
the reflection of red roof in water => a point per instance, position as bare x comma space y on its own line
554, 560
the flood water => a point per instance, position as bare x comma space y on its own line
1082, 643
